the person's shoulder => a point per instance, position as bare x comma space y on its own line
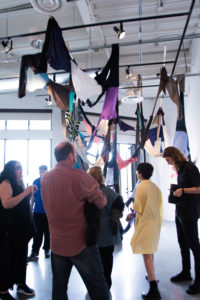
37, 180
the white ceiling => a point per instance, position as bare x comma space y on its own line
18, 17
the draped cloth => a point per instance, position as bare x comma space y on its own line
54, 50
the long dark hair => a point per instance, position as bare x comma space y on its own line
8, 173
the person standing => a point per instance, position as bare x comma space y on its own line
148, 207
187, 215
18, 227
40, 218
110, 233
65, 191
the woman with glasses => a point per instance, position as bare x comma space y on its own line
16, 229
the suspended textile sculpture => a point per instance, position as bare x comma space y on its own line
124, 127
85, 86
124, 163
171, 86
54, 50
181, 137
109, 79
157, 135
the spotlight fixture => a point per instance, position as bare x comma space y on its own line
128, 73
120, 31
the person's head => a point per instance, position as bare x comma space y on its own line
65, 151
144, 171
12, 171
42, 169
97, 173
174, 157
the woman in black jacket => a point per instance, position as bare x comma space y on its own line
16, 229
187, 215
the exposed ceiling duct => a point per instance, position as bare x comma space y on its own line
48, 6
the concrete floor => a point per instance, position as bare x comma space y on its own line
128, 272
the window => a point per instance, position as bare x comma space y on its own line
17, 125
2, 124
126, 173
40, 125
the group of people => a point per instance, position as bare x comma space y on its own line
66, 193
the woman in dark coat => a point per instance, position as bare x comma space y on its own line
187, 215
110, 232
16, 230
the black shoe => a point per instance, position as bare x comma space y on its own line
6, 296
193, 289
25, 290
32, 257
181, 277
151, 296
47, 253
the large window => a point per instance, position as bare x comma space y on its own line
26, 137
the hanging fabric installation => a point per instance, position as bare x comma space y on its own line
54, 50
157, 135
181, 137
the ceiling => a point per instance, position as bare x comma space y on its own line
142, 46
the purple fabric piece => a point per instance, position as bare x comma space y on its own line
108, 111
125, 127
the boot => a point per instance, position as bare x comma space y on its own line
153, 293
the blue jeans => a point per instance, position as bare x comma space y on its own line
88, 264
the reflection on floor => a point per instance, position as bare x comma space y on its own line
128, 272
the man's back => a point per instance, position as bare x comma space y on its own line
64, 191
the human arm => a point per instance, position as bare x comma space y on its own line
6, 193
190, 190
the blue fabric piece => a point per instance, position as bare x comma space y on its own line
38, 205
181, 142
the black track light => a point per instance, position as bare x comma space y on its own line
120, 31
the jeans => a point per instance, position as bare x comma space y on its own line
187, 232
88, 264
106, 254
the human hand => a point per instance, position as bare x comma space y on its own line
31, 189
178, 193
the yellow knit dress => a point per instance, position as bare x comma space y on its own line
148, 207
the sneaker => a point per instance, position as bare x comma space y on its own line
47, 253
6, 296
24, 289
193, 289
32, 257
181, 277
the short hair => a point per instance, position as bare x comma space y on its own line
62, 151
145, 169
97, 173
43, 168
176, 155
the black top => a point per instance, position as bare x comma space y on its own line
189, 205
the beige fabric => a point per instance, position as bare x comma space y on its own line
148, 207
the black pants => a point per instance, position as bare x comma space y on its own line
42, 228
106, 254
187, 232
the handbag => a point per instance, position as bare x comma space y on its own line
171, 198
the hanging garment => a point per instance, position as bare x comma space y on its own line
85, 86
181, 137
60, 93
109, 76
157, 135
30, 61
108, 111
124, 163
54, 50
124, 127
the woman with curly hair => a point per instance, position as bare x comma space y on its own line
187, 215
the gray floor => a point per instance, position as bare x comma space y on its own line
128, 272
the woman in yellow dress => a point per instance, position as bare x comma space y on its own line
148, 207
